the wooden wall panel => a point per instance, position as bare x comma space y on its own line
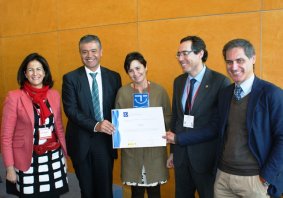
167, 9
84, 13
1, 17
272, 4
272, 40
28, 16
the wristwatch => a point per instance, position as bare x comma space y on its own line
264, 182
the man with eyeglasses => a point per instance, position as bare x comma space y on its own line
194, 104
250, 127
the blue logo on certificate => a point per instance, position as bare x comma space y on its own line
116, 135
140, 100
125, 114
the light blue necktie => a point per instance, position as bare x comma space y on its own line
237, 92
95, 98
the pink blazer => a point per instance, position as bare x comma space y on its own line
18, 125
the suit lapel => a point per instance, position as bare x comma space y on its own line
85, 88
253, 99
202, 91
27, 103
180, 90
105, 85
224, 104
52, 101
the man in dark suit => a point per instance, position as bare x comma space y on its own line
250, 126
194, 164
89, 128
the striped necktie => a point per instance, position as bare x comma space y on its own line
95, 98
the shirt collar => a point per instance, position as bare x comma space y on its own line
88, 71
200, 75
247, 85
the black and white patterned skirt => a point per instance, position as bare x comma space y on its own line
46, 176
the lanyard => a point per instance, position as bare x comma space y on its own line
190, 106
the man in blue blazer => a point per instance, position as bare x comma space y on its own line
88, 133
250, 127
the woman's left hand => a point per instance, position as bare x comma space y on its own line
11, 174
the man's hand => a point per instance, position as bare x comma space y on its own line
105, 126
170, 137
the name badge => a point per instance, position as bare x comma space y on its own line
188, 121
140, 100
45, 133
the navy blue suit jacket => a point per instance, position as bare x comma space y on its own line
204, 108
78, 107
264, 125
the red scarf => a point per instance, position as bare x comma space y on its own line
38, 96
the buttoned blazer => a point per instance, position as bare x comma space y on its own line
265, 130
201, 156
78, 107
18, 126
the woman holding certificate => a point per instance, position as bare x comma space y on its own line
143, 168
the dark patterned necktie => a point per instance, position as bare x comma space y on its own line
190, 96
237, 92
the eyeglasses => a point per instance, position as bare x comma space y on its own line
183, 53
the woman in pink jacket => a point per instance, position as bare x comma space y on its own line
32, 134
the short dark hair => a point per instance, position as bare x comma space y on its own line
241, 43
197, 45
47, 80
131, 57
90, 38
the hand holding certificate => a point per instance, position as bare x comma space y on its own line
138, 127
